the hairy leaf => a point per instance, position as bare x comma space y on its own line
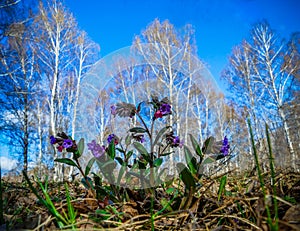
185, 175
196, 146
190, 161
157, 162
66, 161
89, 166
80, 147
138, 130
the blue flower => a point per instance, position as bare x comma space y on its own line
112, 137
53, 140
165, 109
67, 143
177, 142
225, 147
96, 149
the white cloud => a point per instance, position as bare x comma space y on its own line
7, 164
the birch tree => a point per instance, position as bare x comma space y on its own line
261, 78
19, 77
168, 54
55, 35
274, 77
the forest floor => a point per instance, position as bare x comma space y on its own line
241, 206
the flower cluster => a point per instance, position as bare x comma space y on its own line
96, 149
164, 109
112, 137
63, 142
225, 147
174, 141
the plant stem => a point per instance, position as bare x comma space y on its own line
152, 210
85, 177
271, 158
262, 185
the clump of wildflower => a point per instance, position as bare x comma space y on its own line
173, 140
225, 147
63, 142
112, 137
96, 149
165, 109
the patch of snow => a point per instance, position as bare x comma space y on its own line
8, 164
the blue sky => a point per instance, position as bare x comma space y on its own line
219, 24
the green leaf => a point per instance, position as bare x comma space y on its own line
190, 161
165, 203
108, 166
103, 214
85, 184
138, 130
71, 212
129, 154
120, 150
207, 146
171, 190
119, 159
166, 153
121, 173
222, 186
220, 156
128, 139
196, 146
66, 161
80, 147
208, 160
112, 150
141, 165
160, 133
185, 175
142, 150
89, 166
157, 162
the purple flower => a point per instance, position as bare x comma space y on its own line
177, 142
96, 149
165, 109
173, 140
53, 140
225, 147
67, 143
112, 137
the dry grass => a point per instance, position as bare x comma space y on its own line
240, 208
